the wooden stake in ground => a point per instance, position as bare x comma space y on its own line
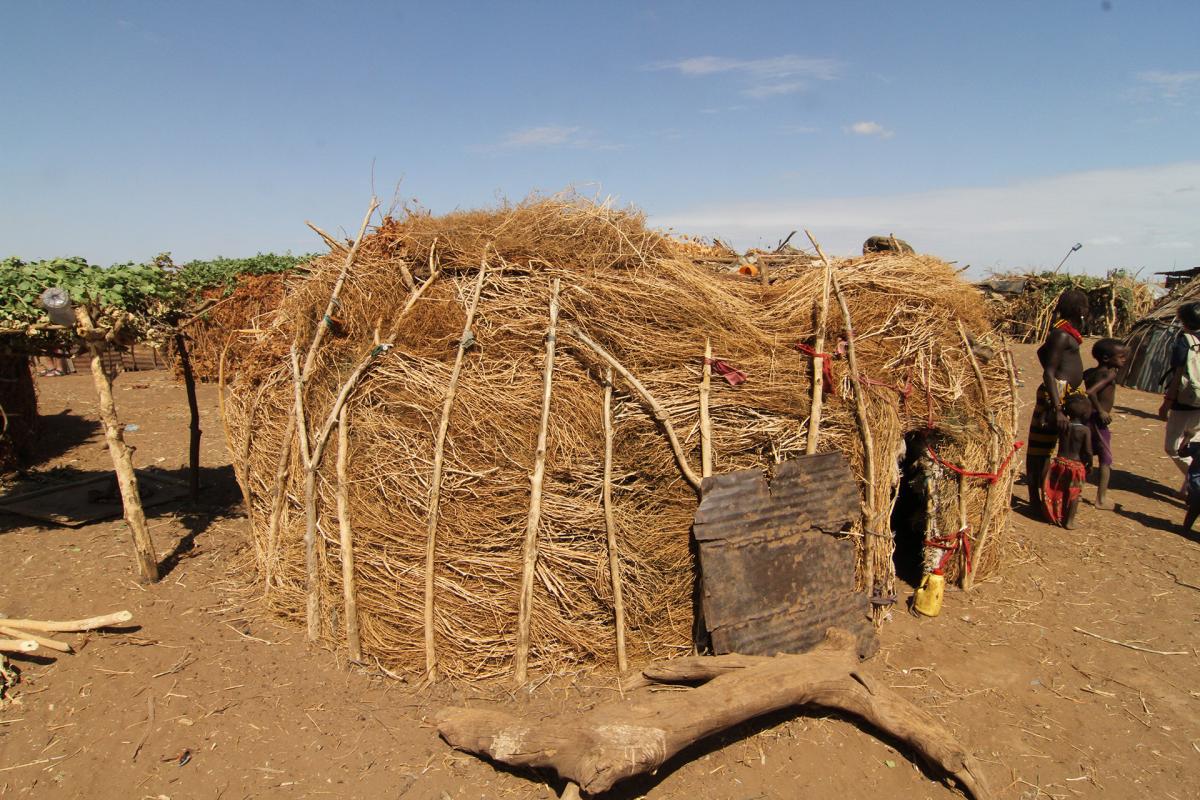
610, 527
435, 482
278, 495
530, 551
655, 409
189, 384
617, 740
985, 518
349, 589
706, 456
818, 379
864, 427
131, 500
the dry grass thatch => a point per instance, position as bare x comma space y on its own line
652, 307
1115, 303
253, 298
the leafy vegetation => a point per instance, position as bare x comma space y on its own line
145, 297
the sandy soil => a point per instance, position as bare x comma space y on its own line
207, 698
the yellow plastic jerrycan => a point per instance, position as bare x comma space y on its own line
928, 598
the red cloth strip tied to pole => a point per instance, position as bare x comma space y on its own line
990, 477
952, 544
727, 371
825, 359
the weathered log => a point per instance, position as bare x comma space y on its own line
621, 739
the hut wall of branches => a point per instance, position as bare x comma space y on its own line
1151, 339
650, 305
1023, 305
230, 312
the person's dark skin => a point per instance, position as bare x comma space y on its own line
1061, 361
1189, 519
1074, 443
1101, 385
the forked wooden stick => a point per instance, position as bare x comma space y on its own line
435, 482
657, 410
610, 527
530, 550
860, 412
818, 380
985, 517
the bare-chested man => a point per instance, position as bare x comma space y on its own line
1062, 375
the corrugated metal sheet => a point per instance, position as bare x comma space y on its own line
1149, 355
774, 580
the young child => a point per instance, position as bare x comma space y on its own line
1101, 383
1065, 474
1192, 450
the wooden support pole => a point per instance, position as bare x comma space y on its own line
610, 527
864, 427
818, 379
655, 409
349, 589
530, 550
312, 612
131, 501
300, 377
435, 481
968, 573
995, 488
189, 384
706, 455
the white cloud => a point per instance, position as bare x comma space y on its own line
777, 68
551, 136
867, 128
1126, 218
766, 77
1169, 86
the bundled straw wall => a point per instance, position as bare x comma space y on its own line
652, 307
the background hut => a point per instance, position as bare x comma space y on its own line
1151, 339
436, 314
1022, 305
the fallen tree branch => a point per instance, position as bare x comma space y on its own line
621, 739
53, 644
91, 623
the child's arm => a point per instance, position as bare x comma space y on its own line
1085, 446
1093, 391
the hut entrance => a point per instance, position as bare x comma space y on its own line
911, 511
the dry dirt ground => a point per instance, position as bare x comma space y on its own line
208, 698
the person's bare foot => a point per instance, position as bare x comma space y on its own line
1105, 505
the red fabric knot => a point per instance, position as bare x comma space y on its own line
727, 371
825, 358
960, 540
990, 477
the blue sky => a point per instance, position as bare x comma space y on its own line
995, 134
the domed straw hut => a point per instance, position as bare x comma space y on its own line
437, 342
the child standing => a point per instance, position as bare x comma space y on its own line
1192, 450
1065, 474
1101, 383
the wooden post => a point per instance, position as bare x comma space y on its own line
131, 500
864, 427
311, 582
968, 574
818, 380
525, 606
981, 546
435, 482
656, 410
706, 456
610, 526
189, 384
1110, 319
349, 589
